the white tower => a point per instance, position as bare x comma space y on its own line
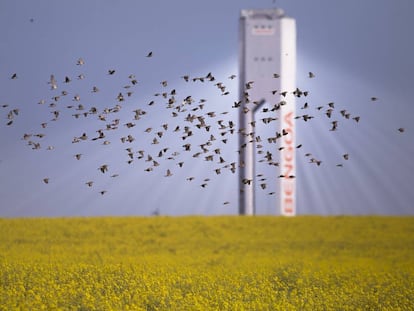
267, 63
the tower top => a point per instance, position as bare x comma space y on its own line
262, 13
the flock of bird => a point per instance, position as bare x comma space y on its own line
194, 120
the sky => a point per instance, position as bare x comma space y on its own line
356, 49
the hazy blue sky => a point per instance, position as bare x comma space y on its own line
357, 50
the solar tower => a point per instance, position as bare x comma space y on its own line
267, 73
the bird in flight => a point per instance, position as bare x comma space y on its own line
193, 120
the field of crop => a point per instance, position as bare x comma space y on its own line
207, 263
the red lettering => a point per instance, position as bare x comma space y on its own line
288, 171
288, 165
288, 187
288, 119
289, 153
288, 206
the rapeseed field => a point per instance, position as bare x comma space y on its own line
207, 263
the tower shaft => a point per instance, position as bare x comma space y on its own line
267, 72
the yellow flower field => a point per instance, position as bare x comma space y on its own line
207, 263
